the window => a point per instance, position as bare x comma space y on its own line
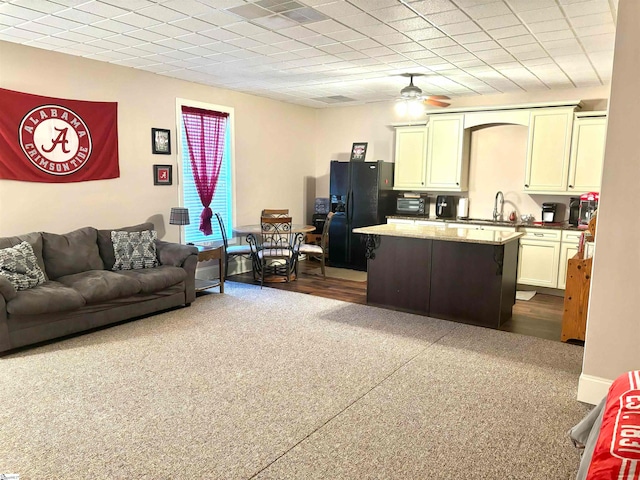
222, 201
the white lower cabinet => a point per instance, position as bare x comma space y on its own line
568, 248
539, 257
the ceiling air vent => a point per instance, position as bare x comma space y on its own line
294, 11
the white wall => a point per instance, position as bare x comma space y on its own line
613, 325
274, 147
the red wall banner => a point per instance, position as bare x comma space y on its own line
53, 140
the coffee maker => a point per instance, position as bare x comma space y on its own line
444, 206
574, 211
550, 212
588, 206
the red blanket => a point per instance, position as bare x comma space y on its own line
617, 450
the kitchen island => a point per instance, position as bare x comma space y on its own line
450, 273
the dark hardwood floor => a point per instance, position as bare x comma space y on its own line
539, 317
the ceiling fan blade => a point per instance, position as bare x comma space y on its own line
439, 97
435, 103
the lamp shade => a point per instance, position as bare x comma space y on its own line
179, 216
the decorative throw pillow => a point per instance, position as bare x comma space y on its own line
20, 266
134, 250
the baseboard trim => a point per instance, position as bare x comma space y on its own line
592, 389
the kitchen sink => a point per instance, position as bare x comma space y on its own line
485, 221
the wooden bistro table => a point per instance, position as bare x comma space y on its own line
256, 229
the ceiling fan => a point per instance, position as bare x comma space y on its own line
411, 92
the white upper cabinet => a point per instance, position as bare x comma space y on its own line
548, 150
587, 152
410, 158
447, 153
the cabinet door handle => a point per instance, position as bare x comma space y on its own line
570, 186
539, 234
457, 183
526, 186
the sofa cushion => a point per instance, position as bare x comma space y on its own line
134, 250
19, 265
34, 239
71, 253
50, 297
105, 244
101, 285
156, 279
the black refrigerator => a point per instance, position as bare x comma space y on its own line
361, 195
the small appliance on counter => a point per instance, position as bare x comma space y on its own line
318, 220
588, 206
412, 204
574, 211
550, 213
444, 206
463, 207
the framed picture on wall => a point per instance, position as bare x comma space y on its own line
358, 152
161, 141
162, 175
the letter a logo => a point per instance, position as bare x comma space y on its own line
61, 140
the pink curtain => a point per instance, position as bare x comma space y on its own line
205, 138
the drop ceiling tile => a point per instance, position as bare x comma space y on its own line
326, 26
152, 48
390, 14
424, 34
460, 28
377, 51
525, 5
549, 26
438, 42
420, 54
480, 46
101, 9
190, 8
244, 42
19, 12
145, 35
538, 62
17, 33
248, 30
297, 32
39, 5
40, 28
519, 40
410, 24
80, 50
266, 49
338, 9
104, 44
7, 21
368, 4
587, 8
500, 21
84, 34
407, 47
163, 14
269, 37
598, 43
346, 35
317, 40
55, 42
541, 14
428, 7
351, 55
483, 10
376, 30
588, 20
471, 37
475, 62
291, 45
191, 24
446, 51
78, 16
114, 26
594, 30
137, 20
391, 39
335, 48
555, 35
219, 18
445, 18
359, 20
54, 21
494, 56
506, 32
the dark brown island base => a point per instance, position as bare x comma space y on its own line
455, 274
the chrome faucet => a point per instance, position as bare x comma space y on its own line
497, 214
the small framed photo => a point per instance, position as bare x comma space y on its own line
358, 152
161, 141
162, 175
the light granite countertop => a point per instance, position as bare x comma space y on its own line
472, 221
441, 233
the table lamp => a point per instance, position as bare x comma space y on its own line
179, 216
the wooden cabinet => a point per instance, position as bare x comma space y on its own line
568, 249
548, 150
576, 299
538, 259
447, 153
587, 152
410, 158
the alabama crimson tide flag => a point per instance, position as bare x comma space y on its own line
44, 139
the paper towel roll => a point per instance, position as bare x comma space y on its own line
463, 207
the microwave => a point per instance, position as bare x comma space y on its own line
412, 206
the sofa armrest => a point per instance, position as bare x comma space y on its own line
7, 291
178, 255
5, 342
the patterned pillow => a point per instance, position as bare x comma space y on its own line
134, 250
20, 266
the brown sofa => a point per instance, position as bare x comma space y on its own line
82, 292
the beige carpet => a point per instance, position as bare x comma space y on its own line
343, 273
272, 384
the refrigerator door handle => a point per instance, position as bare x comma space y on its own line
350, 207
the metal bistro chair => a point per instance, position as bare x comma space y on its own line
321, 250
278, 253
275, 212
233, 250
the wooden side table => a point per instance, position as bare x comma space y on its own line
211, 253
